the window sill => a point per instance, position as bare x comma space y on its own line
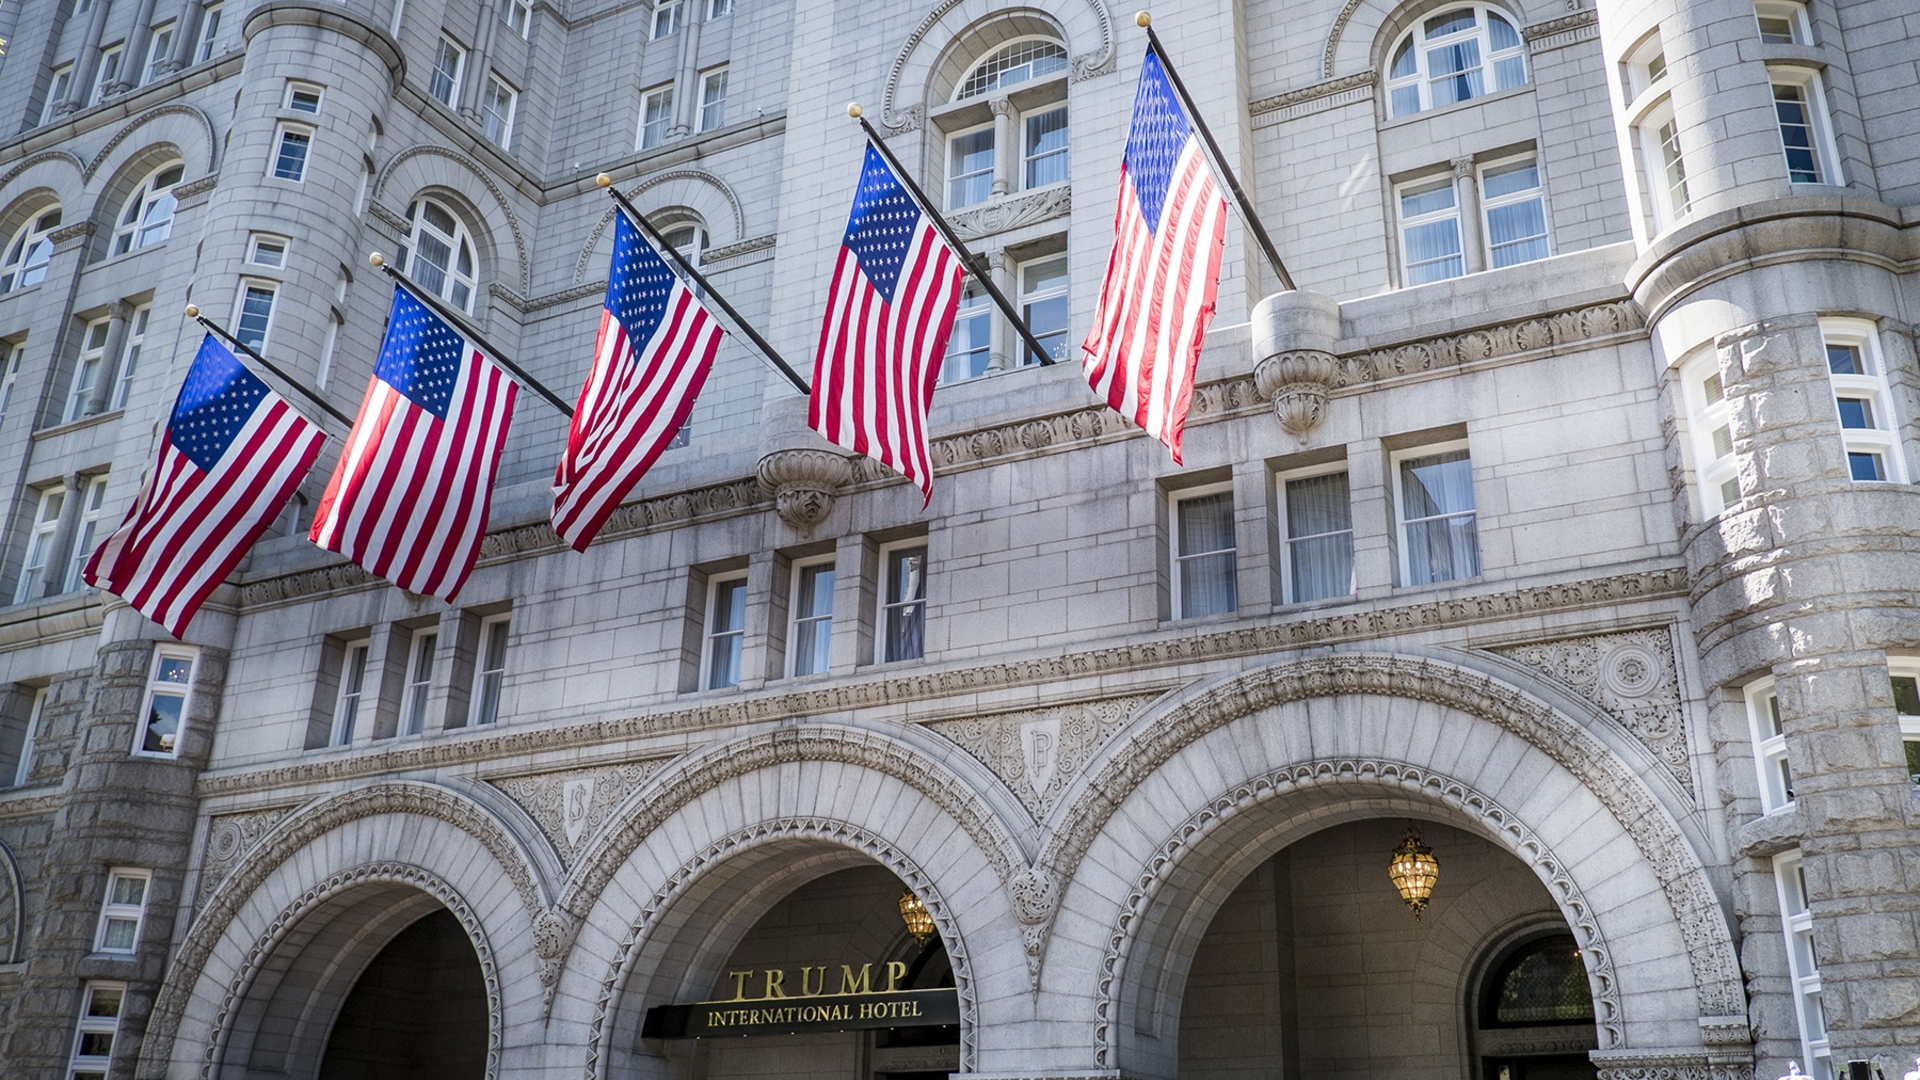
135, 252
1444, 110
23, 290
1434, 586
77, 425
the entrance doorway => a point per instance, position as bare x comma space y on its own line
418, 1011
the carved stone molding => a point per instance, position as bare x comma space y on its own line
148, 117
698, 176
42, 157
1631, 675
1559, 33
729, 252
1490, 342
803, 483
894, 116
13, 908
484, 177
571, 806
1038, 752
1012, 212
230, 836
1675, 1064
1316, 98
1298, 383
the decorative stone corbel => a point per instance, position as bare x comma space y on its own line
1294, 334
803, 483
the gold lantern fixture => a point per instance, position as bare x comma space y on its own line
1413, 870
918, 919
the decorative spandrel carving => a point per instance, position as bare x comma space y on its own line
569, 806
1630, 675
1037, 752
230, 836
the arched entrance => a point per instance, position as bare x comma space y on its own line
418, 1011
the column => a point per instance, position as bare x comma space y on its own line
686, 88
1006, 338
478, 65
1467, 189
89, 64
117, 315
1006, 151
135, 64
187, 37
57, 554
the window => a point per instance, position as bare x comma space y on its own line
99, 1024
10, 375
811, 636
1805, 136
290, 156
903, 605
1796, 922
1430, 231
1046, 149
970, 168
24, 770
1318, 513
440, 258
518, 14
1666, 169
265, 250
46, 523
666, 19
1015, 63
1043, 304
353, 684
108, 73
1439, 541
443, 82
713, 99
86, 370
726, 631
1769, 746
57, 92
1906, 702
1203, 554
419, 682
1861, 399
656, 116
718, 8
256, 315
130, 356
159, 49
1782, 22
1710, 423
1516, 213
121, 911
30, 252
1544, 982
1645, 66
304, 97
165, 711
689, 239
1444, 60
496, 111
93, 508
970, 344
491, 672
148, 217
209, 34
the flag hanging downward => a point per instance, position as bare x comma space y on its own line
653, 355
230, 458
890, 306
409, 499
1164, 273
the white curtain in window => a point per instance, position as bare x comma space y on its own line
1320, 537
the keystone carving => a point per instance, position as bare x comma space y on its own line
1298, 382
803, 484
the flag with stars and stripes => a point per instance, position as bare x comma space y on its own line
409, 499
1164, 273
230, 458
890, 306
653, 355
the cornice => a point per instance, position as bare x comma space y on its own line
1559, 33
330, 17
1319, 97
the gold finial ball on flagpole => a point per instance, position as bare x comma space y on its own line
376, 259
603, 180
1143, 20
853, 109
193, 311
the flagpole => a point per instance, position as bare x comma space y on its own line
680, 260
980, 273
193, 312
460, 323
1145, 22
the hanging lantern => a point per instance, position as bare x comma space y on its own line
1414, 871
918, 919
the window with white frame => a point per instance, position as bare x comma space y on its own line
1796, 923
443, 80
656, 116
1430, 231
1043, 304
159, 49
1769, 746
1710, 434
497, 106
24, 769
1806, 136
666, 18
1317, 512
353, 687
687, 238
57, 91
303, 97
86, 370
418, 683
1454, 56
1019, 61
970, 343
810, 636
130, 356
209, 34
1515, 210
46, 526
29, 252
713, 100
1857, 373
1204, 575
265, 249
147, 217
518, 14
290, 153
970, 167
107, 74
99, 1026
440, 254
122, 910
93, 511
10, 375
903, 601
256, 314
1906, 702
1439, 536
1665, 168
1045, 152
718, 9
1645, 66
164, 712
726, 631
1782, 22
490, 673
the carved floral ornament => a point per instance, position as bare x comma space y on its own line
803, 483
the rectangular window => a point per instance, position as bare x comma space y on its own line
304, 97
1046, 151
93, 510
99, 1025
290, 155
256, 315
1203, 554
1318, 514
726, 631
718, 8
666, 19
970, 168
353, 685
108, 73
10, 375
1516, 212
1710, 424
656, 116
130, 355
419, 682
1769, 746
1043, 304
209, 34
810, 639
518, 14
1906, 702
970, 344
265, 250
1796, 922
165, 711
121, 911
24, 769
1782, 22
443, 82
46, 524
1805, 137
1439, 539
903, 605
159, 49
57, 92
491, 672
1862, 400
1665, 168
713, 99
86, 371
496, 109
1430, 231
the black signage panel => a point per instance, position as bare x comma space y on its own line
787, 1016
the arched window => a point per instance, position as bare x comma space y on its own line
440, 256
1013, 64
1455, 55
1543, 982
1013, 147
29, 252
148, 216
687, 238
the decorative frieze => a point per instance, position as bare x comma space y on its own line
1038, 752
1013, 212
229, 836
1321, 96
571, 806
1630, 675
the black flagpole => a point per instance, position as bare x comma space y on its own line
640, 220
460, 323
1213, 151
967, 258
193, 312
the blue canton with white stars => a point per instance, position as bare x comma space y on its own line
215, 402
421, 354
882, 224
641, 282
1160, 133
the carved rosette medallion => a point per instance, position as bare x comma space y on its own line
230, 836
1037, 752
1298, 383
569, 806
803, 484
1630, 675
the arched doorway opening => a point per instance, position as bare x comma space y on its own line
1531, 1009
418, 1011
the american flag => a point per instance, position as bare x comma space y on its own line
1164, 273
229, 460
408, 500
890, 306
633, 402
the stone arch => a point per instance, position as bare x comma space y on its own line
13, 907
28, 204
473, 191
1085, 25
53, 170
705, 195
193, 138
129, 172
1364, 29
